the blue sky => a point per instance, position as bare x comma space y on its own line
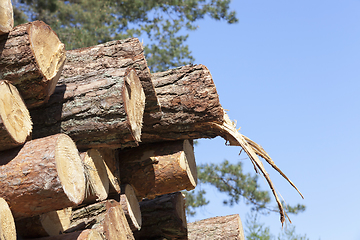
289, 74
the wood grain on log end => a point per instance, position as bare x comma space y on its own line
159, 168
131, 207
43, 175
112, 167
32, 58
15, 121
6, 16
88, 234
7, 224
97, 180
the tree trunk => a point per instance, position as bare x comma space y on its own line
6, 16
44, 225
120, 54
159, 168
42, 176
7, 224
97, 180
115, 225
88, 234
111, 160
131, 207
227, 227
32, 57
188, 101
163, 218
15, 122
96, 110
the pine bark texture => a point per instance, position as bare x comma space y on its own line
35, 178
6, 16
159, 168
92, 110
189, 101
120, 54
32, 57
163, 218
227, 227
7, 224
15, 121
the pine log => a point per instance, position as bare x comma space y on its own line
97, 180
6, 16
44, 225
163, 218
131, 207
7, 224
111, 160
15, 122
96, 110
115, 225
32, 57
159, 168
189, 101
119, 54
42, 176
227, 227
88, 234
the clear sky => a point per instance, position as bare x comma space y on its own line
289, 74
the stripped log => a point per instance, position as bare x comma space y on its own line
95, 110
32, 57
189, 101
131, 207
227, 227
110, 157
163, 218
88, 234
15, 122
7, 224
159, 168
42, 176
47, 224
119, 54
6, 16
97, 181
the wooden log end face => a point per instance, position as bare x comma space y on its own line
188, 162
132, 207
14, 116
7, 224
70, 169
6, 16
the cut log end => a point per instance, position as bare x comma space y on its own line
70, 169
97, 180
188, 161
7, 224
6, 16
14, 116
131, 207
134, 103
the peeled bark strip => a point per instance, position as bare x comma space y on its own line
88, 234
131, 207
188, 100
159, 168
163, 218
6, 16
110, 157
42, 176
7, 224
15, 122
47, 224
120, 54
96, 110
227, 227
32, 58
97, 181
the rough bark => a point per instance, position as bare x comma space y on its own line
88, 234
15, 122
44, 225
163, 218
97, 180
188, 101
111, 160
6, 16
159, 168
42, 176
227, 227
120, 54
131, 207
7, 224
32, 57
96, 110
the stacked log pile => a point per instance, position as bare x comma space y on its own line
93, 146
